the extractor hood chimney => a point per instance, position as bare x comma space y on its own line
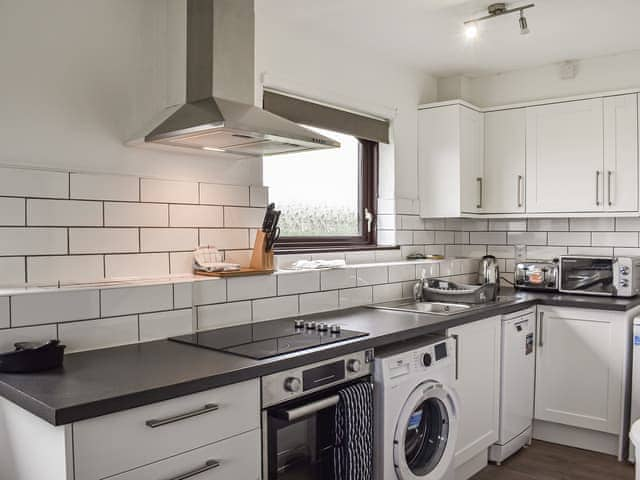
219, 114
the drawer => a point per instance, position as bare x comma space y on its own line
126, 440
234, 458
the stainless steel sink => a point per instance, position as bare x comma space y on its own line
434, 308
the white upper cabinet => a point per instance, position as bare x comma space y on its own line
504, 161
621, 153
565, 157
450, 155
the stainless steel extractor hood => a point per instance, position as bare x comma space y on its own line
220, 50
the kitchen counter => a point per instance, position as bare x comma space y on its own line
103, 381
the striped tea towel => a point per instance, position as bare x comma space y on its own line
353, 448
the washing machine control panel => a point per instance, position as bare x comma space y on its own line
431, 355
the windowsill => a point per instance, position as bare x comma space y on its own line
350, 248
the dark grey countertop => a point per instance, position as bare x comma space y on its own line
103, 381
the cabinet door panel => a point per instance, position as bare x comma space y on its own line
472, 181
504, 161
579, 368
477, 386
565, 157
621, 153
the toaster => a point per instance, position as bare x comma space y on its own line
537, 275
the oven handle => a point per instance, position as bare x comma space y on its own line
294, 414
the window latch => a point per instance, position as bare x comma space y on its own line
368, 216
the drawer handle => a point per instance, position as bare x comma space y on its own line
209, 407
209, 465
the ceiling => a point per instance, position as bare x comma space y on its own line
428, 34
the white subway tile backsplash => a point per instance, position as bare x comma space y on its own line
548, 224
298, 282
273, 308
160, 325
13, 270
631, 224
389, 222
494, 238
195, 216
501, 251
355, 258
212, 194
338, 278
466, 250
319, 301
12, 212
372, 275
54, 307
633, 252
596, 251
168, 191
180, 263
400, 273
424, 237
86, 186
407, 250
388, 255
614, 239
225, 238
41, 333
223, 315
65, 269
444, 237
63, 213
168, 239
144, 265
434, 224
462, 237
467, 224
404, 237
434, 249
103, 240
508, 225
243, 217
387, 292
354, 297
387, 237
183, 294
4, 313
545, 253
592, 224
256, 286
33, 183
138, 299
136, 215
576, 239
258, 196
527, 238
16, 241
411, 222
103, 333
427, 270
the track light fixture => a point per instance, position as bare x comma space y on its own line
497, 10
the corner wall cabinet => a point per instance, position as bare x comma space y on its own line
578, 156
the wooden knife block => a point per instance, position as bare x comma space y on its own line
261, 259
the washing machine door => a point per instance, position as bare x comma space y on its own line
425, 437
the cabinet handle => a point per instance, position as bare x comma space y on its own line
479, 204
540, 342
208, 465
598, 187
209, 407
609, 174
519, 190
455, 338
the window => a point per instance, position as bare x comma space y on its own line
327, 197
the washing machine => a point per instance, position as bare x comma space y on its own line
416, 410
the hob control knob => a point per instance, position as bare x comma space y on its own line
298, 323
310, 325
426, 360
322, 327
354, 365
335, 328
292, 384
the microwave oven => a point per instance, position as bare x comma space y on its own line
607, 276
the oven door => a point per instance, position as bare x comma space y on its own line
592, 276
300, 436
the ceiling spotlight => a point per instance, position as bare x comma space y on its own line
497, 10
524, 28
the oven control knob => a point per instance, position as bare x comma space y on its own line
624, 283
426, 360
624, 270
335, 328
311, 325
292, 384
354, 365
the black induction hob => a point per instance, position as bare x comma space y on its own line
268, 339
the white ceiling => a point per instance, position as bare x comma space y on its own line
428, 34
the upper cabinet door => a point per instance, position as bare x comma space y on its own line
565, 157
473, 187
621, 153
504, 161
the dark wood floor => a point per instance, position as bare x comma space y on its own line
547, 461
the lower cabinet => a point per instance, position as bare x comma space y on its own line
477, 385
579, 367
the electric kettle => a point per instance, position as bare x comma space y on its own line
488, 271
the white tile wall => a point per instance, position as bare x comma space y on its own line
180, 263
168, 239
614, 239
33, 183
224, 194
243, 217
168, 191
298, 282
195, 216
577, 239
136, 215
33, 241
259, 196
387, 292
223, 315
548, 224
136, 266
353, 297
65, 269
210, 291
257, 286
13, 270
372, 275
128, 300
277, 307
319, 302
103, 240
155, 326
63, 213
54, 307
225, 238
591, 224
338, 278
5, 321
105, 187
40, 333
400, 273
105, 332
12, 212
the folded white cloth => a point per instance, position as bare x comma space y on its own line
216, 267
317, 264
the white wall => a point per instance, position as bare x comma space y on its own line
330, 69
79, 77
612, 72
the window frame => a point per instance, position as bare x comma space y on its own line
368, 154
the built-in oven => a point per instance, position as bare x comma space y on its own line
298, 416
608, 276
